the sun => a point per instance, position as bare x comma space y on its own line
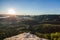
11, 11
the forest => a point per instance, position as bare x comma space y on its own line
44, 26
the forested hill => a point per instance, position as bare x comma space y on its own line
52, 19
45, 19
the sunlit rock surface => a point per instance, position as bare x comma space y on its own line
25, 36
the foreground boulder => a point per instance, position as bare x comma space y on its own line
25, 36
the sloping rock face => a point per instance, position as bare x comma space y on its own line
25, 36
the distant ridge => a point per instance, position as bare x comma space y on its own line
52, 19
49, 19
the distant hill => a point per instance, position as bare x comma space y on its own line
41, 19
52, 19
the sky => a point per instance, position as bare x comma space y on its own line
30, 7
